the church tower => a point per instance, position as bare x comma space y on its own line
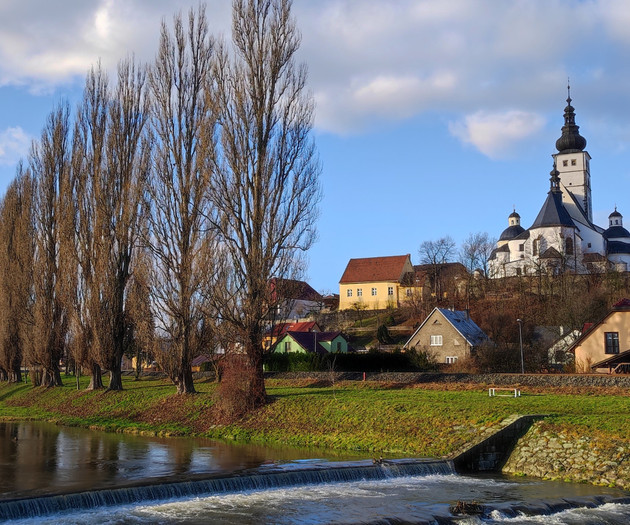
572, 163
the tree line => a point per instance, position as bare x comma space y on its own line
155, 214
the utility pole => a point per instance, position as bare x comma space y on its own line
520, 340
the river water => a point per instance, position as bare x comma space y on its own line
37, 460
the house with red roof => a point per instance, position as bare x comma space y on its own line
376, 282
604, 346
278, 330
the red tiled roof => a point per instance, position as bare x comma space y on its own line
374, 269
283, 328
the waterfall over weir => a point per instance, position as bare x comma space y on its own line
273, 478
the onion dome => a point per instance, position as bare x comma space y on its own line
571, 141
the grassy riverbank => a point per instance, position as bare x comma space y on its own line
421, 420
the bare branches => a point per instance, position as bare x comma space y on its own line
180, 238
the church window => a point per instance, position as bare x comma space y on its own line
521, 247
569, 246
565, 162
612, 342
589, 244
536, 246
519, 271
573, 162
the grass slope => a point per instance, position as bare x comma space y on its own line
421, 420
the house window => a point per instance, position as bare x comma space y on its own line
349, 293
569, 246
565, 162
573, 162
359, 292
436, 340
287, 346
589, 244
408, 292
390, 290
450, 359
612, 342
373, 291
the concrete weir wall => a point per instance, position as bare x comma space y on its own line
490, 452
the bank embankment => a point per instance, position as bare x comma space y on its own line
589, 422
551, 452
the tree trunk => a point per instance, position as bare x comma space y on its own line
185, 384
115, 378
96, 378
52, 376
257, 395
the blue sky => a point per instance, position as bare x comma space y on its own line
434, 117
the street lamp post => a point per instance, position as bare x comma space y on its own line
520, 340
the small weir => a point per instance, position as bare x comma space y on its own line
273, 478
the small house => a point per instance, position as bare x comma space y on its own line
450, 335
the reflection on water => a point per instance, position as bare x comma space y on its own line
37, 458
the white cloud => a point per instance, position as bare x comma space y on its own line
497, 134
14, 144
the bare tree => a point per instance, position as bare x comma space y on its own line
266, 178
50, 164
110, 168
180, 237
436, 254
16, 260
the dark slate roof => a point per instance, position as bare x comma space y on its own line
310, 341
618, 359
511, 232
615, 214
622, 304
551, 253
523, 236
553, 213
615, 232
618, 247
462, 322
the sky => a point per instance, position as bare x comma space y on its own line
433, 117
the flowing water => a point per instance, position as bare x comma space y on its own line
54, 475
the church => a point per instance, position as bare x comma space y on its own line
563, 236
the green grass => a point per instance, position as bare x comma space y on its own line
351, 416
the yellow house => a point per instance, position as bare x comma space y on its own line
603, 346
375, 282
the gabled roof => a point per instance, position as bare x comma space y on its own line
551, 253
310, 341
375, 269
620, 306
293, 289
553, 213
283, 328
462, 322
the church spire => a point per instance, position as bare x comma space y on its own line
555, 180
571, 141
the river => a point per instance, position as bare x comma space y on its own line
135, 479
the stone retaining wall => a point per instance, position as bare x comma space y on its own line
548, 455
532, 380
